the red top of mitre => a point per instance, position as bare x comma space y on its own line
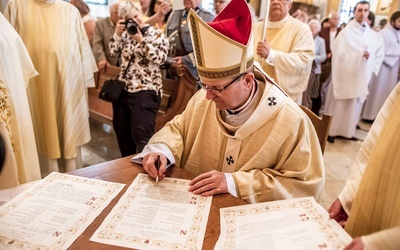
234, 21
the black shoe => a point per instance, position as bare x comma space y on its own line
331, 139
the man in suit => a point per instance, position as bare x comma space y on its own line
103, 32
177, 30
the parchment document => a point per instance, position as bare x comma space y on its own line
288, 224
54, 212
152, 215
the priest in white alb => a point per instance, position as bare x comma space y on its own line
382, 84
240, 134
54, 35
357, 53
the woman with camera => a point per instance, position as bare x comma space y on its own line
142, 49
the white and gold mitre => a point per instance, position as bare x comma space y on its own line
223, 48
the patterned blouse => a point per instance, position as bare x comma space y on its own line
144, 71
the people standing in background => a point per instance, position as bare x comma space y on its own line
328, 34
288, 51
154, 9
88, 20
103, 32
219, 5
311, 97
145, 5
356, 47
177, 31
60, 51
225, 134
369, 205
382, 84
142, 53
19, 152
325, 23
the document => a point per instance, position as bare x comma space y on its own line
152, 215
288, 224
52, 213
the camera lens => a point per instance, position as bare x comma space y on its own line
131, 26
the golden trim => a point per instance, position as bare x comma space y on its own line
223, 73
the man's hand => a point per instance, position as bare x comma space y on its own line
165, 7
149, 165
366, 55
337, 212
102, 65
208, 184
263, 49
356, 244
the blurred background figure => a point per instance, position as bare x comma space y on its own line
300, 15
88, 20
18, 152
145, 4
177, 31
156, 8
382, 84
103, 32
219, 5
328, 33
59, 48
311, 97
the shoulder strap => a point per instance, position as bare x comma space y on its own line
127, 67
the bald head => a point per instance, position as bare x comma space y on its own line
114, 13
334, 19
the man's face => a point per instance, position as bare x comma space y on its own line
334, 20
188, 4
114, 13
396, 24
219, 5
232, 97
361, 12
279, 9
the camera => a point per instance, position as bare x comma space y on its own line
131, 26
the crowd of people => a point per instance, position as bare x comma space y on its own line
243, 132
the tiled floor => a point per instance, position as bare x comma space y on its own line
339, 156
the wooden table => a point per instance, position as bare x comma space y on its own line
124, 171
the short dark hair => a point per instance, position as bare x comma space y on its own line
371, 18
361, 2
394, 16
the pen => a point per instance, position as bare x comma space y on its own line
157, 166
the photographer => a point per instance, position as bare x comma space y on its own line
142, 49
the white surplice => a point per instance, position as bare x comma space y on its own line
382, 85
56, 40
351, 73
21, 164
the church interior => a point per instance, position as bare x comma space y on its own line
338, 156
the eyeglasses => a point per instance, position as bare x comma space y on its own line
213, 89
220, 1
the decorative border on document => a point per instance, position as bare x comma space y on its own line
64, 236
308, 204
191, 242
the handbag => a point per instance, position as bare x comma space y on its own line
112, 89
